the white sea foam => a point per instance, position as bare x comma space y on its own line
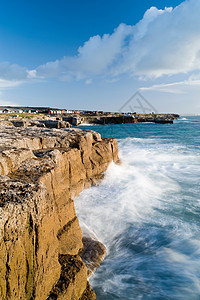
146, 204
86, 124
130, 191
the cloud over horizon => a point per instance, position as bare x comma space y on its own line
12, 75
163, 42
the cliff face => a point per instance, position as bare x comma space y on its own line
41, 170
121, 119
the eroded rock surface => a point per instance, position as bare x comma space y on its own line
37, 121
41, 171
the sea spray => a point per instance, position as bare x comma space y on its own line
146, 212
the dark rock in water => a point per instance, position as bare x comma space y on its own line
93, 253
123, 119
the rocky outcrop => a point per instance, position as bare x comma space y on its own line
132, 118
74, 120
41, 171
37, 122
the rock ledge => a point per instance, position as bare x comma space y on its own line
41, 171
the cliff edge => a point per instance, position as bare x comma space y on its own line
41, 171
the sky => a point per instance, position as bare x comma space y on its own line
95, 55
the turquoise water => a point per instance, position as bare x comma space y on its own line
147, 212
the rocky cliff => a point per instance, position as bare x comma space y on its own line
121, 119
41, 171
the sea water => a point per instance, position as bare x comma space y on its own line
146, 211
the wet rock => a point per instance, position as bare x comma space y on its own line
93, 251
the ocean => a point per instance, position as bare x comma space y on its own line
146, 211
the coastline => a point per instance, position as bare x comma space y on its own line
40, 238
144, 209
121, 119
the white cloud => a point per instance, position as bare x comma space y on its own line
88, 81
163, 42
12, 75
11, 72
150, 15
31, 74
171, 44
95, 57
173, 88
179, 87
9, 83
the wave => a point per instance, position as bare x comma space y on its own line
86, 124
146, 213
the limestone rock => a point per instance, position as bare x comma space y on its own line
39, 121
41, 170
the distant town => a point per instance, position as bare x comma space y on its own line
77, 117
37, 110
57, 111
50, 111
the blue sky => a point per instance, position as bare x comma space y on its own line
96, 54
